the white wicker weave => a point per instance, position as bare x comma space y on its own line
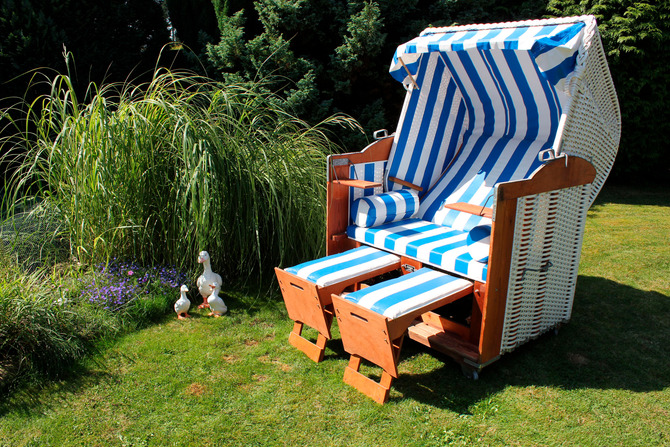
549, 227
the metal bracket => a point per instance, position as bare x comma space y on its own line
379, 134
341, 162
544, 268
408, 268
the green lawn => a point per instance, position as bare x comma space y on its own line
604, 380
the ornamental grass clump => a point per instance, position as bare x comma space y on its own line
44, 328
160, 171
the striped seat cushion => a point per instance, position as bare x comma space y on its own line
399, 296
435, 245
340, 267
383, 208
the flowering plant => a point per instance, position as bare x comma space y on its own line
116, 284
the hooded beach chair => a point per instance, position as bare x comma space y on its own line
507, 134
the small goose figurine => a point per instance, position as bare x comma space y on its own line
183, 304
216, 304
207, 278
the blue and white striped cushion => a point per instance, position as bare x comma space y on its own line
399, 296
435, 245
513, 114
479, 242
383, 208
340, 267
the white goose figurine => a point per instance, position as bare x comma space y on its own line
207, 278
215, 302
183, 304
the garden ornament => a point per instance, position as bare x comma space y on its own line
207, 278
215, 302
183, 304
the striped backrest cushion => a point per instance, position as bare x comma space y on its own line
513, 115
430, 129
392, 206
371, 172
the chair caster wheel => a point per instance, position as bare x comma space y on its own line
470, 373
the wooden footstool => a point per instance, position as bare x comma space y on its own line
307, 289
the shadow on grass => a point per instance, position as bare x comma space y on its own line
618, 338
629, 195
25, 395
29, 399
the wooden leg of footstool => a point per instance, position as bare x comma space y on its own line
313, 350
379, 392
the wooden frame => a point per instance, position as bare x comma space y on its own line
310, 304
366, 334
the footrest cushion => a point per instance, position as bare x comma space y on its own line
399, 296
340, 267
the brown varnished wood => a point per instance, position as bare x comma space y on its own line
444, 342
412, 263
337, 218
405, 183
307, 303
438, 322
379, 392
495, 297
378, 339
362, 184
556, 174
471, 209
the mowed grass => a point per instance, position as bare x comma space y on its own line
603, 380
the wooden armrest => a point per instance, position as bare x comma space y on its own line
363, 184
472, 209
557, 174
404, 183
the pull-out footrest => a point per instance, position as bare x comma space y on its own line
307, 289
373, 321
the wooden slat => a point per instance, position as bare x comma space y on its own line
437, 339
472, 209
363, 184
443, 324
405, 183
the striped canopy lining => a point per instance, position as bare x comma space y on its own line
486, 106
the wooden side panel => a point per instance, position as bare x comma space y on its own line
557, 174
303, 302
337, 219
365, 334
